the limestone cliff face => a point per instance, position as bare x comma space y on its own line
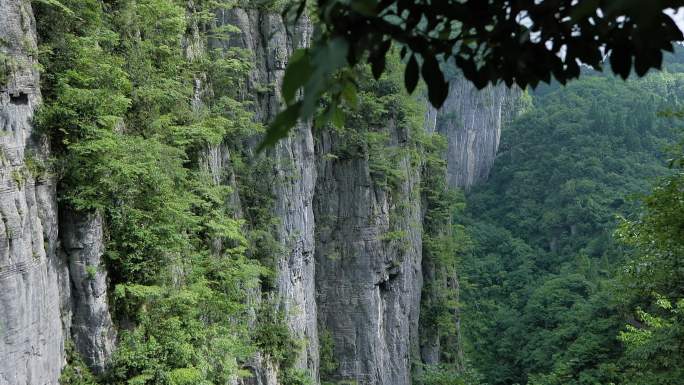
52, 283
34, 289
271, 41
92, 330
471, 121
368, 281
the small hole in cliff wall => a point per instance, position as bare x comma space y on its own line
384, 286
19, 99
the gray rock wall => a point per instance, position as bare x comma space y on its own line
92, 329
338, 270
34, 290
368, 282
471, 120
271, 41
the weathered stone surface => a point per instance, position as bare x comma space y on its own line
264, 372
33, 289
92, 329
368, 282
471, 120
271, 41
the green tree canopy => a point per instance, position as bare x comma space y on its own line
542, 303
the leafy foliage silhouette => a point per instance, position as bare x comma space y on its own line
523, 42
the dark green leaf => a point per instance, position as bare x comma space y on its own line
434, 78
365, 7
378, 66
296, 75
377, 59
280, 126
620, 61
349, 94
337, 117
411, 74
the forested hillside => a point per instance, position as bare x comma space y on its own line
548, 284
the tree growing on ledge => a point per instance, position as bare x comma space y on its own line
520, 42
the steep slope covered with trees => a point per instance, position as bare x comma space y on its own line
544, 300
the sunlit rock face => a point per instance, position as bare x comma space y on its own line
34, 287
471, 119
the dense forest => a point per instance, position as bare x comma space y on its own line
148, 237
569, 277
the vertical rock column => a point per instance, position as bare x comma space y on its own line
368, 266
471, 120
33, 280
271, 41
92, 329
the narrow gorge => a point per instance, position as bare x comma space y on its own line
314, 263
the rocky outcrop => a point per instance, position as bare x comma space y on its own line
34, 290
368, 266
92, 330
271, 41
471, 120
